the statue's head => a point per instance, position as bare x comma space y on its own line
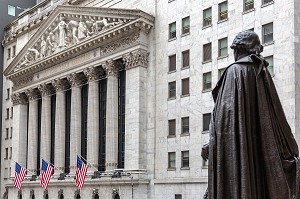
246, 42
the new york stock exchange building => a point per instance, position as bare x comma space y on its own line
87, 78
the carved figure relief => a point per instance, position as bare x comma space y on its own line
61, 28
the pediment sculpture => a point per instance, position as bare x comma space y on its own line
65, 33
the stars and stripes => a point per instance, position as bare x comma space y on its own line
20, 173
81, 170
46, 174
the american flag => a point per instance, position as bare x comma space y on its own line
46, 174
19, 175
81, 170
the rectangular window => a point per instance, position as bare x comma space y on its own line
207, 52
10, 154
11, 112
7, 133
185, 162
8, 53
172, 30
207, 18
270, 60
6, 153
5, 173
172, 63
171, 160
185, 83
267, 33
221, 71
11, 132
7, 114
185, 59
14, 51
207, 81
185, 25
7, 94
223, 47
206, 121
172, 127
185, 125
11, 10
248, 5
266, 1
178, 196
172, 89
223, 10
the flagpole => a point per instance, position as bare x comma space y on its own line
24, 167
87, 162
53, 165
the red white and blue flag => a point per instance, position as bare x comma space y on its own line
19, 175
46, 174
81, 170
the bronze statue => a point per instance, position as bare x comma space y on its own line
252, 152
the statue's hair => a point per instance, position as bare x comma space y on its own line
248, 41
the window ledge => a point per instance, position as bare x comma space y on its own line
173, 71
206, 90
185, 34
186, 67
171, 169
185, 168
223, 20
205, 132
171, 98
186, 95
204, 167
208, 26
172, 39
207, 61
171, 136
184, 134
268, 43
247, 11
267, 4
222, 57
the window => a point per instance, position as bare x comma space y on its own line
206, 121
185, 125
11, 10
8, 53
185, 25
7, 94
207, 52
185, 83
207, 17
185, 59
221, 71
172, 127
266, 1
172, 89
6, 153
248, 5
172, 158
178, 196
10, 154
7, 133
7, 113
172, 63
14, 51
206, 81
5, 173
172, 30
223, 50
267, 33
223, 11
185, 159
270, 60
11, 112
11, 132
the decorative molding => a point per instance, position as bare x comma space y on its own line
118, 45
111, 68
46, 89
76, 79
19, 99
136, 59
18, 83
60, 84
32, 94
92, 73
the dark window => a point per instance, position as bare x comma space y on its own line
178, 196
11, 132
248, 5
14, 51
270, 60
172, 30
53, 107
68, 121
223, 10
10, 154
172, 127
186, 25
267, 32
185, 58
102, 124
172, 63
185, 86
221, 71
8, 53
207, 52
206, 81
7, 113
11, 112
38, 163
206, 121
223, 49
185, 159
7, 133
185, 125
6, 153
171, 160
207, 17
172, 89
84, 108
266, 1
8, 93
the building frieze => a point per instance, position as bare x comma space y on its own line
19, 98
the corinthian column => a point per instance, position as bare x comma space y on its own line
92, 75
111, 115
46, 90
76, 80
19, 138
32, 95
60, 123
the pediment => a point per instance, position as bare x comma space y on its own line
71, 30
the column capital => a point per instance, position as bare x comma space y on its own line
92, 73
135, 59
46, 89
19, 98
111, 68
60, 84
32, 94
76, 79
